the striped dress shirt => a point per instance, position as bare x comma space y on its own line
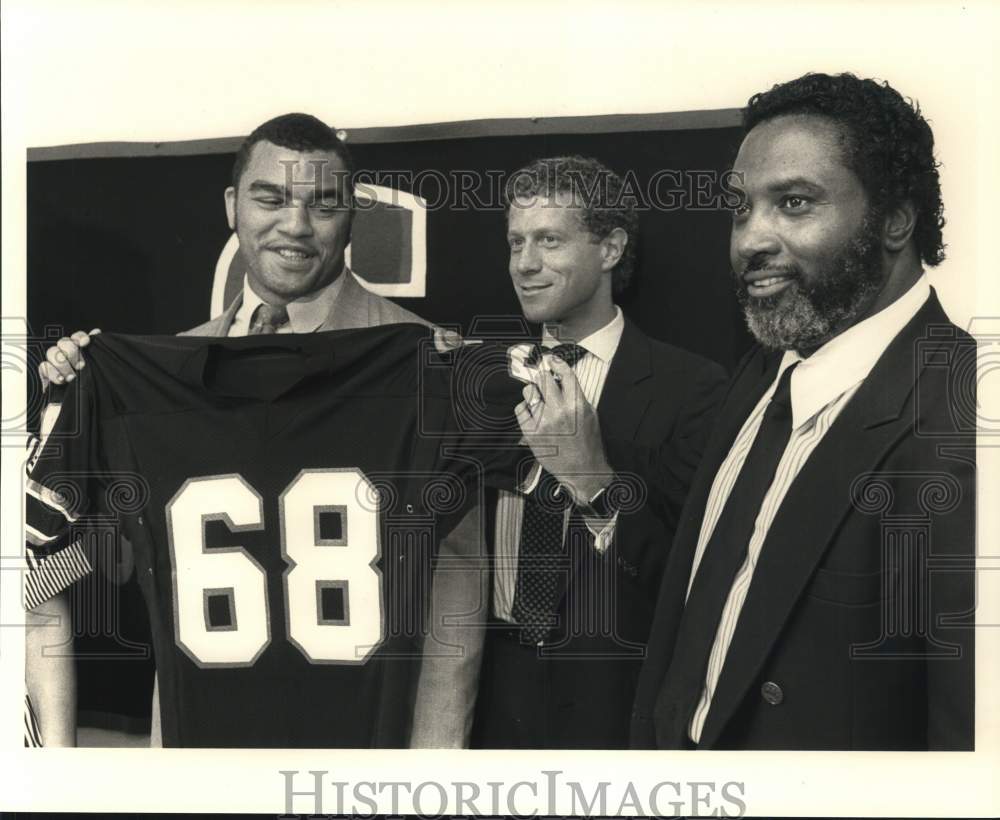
822, 385
591, 371
48, 576
44, 579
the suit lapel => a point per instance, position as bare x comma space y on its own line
352, 308
818, 499
625, 398
221, 325
749, 384
627, 393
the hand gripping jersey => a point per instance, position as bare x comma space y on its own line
283, 494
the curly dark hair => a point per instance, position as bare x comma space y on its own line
300, 132
600, 192
887, 143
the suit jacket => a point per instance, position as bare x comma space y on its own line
354, 307
577, 691
855, 632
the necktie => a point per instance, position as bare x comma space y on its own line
541, 560
542, 567
569, 353
267, 319
725, 553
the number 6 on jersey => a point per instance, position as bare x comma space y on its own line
316, 561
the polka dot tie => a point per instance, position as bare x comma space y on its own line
267, 319
542, 564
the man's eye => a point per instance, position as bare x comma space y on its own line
269, 201
794, 203
515, 243
550, 241
328, 207
741, 210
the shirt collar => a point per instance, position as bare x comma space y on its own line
305, 314
849, 357
602, 343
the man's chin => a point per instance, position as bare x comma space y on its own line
536, 314
792, 326
291, 284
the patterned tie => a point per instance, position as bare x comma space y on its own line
726, 551
542, 564
569, 353
267, 319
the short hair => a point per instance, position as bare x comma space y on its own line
886, 143
600, 191
300, 132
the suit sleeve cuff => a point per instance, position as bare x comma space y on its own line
600, 517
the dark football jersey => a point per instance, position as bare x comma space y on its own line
284, 495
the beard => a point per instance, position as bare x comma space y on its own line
806, 314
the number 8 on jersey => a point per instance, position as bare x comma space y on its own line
315, 563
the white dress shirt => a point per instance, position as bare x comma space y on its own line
821, 387
305, 315
591, 371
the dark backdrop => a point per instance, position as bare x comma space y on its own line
130, 244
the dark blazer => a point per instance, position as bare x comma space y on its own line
576, 691
855, 631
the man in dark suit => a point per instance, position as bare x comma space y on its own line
568, 606
819, 594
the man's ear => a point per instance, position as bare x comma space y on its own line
899, 224
613, 247
231, 207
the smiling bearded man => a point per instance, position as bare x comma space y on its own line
804, 314
800, 609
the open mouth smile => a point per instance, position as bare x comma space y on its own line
768, 285
294, 257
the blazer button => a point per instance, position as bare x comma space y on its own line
772, 693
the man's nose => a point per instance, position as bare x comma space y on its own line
296, 219
529, 260
755, 235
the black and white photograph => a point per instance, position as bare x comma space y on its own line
515, 409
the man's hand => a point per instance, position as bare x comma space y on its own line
447, 340
64, 358
562, 429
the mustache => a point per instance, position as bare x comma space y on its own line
761, 263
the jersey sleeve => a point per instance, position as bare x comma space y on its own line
47, 576
63, 474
